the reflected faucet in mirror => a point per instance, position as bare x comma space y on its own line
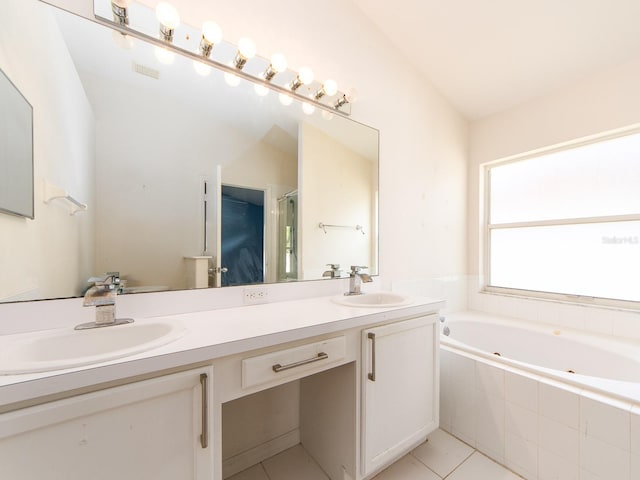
102, 294
356, 277
335, 271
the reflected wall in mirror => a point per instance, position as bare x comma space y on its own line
189, 183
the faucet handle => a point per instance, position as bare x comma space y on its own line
333, 266
356, 268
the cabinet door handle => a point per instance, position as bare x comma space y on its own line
372, 375
279, 368
204, 436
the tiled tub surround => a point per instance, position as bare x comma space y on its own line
541, 423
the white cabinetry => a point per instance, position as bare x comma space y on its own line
399, 390
152, 429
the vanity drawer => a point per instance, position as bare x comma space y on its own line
291, 362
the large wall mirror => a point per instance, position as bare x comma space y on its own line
187, 181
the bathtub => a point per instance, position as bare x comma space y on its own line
601, 364
545, 401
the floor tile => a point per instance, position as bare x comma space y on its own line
442, 453
479, 467
407, 468
293, 464
254, 473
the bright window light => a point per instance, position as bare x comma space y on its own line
567, 222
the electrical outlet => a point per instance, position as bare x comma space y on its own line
255, 295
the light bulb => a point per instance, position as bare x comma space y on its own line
330, 87
201, 68
231, 79
121, 40
212, 32
246, 50
305, 74
164, 56
352, 95
167, 15
349, 97
304, 77
278, 62
169, 19
261, 90
327, 115
285, 99
307, 108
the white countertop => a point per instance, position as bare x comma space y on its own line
214, 334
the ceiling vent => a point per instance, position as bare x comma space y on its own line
147, 71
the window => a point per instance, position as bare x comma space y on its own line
566, 222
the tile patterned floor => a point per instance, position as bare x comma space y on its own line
441, 457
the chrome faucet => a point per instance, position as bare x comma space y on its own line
356, 277
335, 271
103, 295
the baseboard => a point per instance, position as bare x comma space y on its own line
249, 458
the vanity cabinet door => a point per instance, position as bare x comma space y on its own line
400, 389
148, 430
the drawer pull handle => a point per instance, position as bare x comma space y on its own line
372, 375
204, 436
279, 368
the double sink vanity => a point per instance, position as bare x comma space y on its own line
176, 396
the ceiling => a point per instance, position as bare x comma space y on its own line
488, 56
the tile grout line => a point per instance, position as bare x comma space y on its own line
460, 464
454, 469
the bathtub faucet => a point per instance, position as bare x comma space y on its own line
356, 277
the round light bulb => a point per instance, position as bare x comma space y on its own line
327, 115
164, 56
261, 90
231, 79
246, 47
278, 62
167, 15
212, 32
122, 3
308, 109
285, 99
330, 87
201, 68
351, 95
121, 40
305, 74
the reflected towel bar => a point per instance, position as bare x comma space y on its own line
324, 227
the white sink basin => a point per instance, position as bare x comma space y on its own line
67, 348
374, 299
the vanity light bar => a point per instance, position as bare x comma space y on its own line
169, 20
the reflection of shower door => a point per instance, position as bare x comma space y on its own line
288, 236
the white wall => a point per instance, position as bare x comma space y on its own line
608, 101
47, 256
335, 188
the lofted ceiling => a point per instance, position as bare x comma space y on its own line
488, 56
